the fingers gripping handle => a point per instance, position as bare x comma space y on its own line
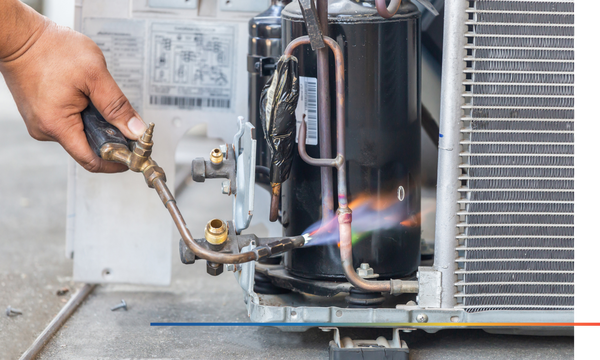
99, 131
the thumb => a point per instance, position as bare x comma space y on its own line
114, 106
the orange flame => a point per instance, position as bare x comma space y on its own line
371, 212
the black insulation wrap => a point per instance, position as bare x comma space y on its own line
278, 101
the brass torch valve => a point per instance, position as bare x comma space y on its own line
110, 144
137, 158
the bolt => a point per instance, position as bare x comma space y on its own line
214, 269
122, 305
422, 318
12, 312
226, 187
366, 272
230, 267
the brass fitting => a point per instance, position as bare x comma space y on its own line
215, 232
216, 156
137, 158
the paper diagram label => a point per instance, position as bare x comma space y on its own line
122, 43
191, 66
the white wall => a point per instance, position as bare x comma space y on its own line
61, 12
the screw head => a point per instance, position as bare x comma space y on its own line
422, 318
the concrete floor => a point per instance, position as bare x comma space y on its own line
33, 267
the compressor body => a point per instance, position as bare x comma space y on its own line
383, 108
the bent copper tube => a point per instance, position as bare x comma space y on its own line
217, 257
344, 212
307, 158
387, 12
394, 287
340, 99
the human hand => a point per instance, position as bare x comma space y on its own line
52, 77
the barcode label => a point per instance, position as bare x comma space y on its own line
189, 102
307, 105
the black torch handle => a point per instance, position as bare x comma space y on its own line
99, 131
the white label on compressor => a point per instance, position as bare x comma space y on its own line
191, 66
307, 104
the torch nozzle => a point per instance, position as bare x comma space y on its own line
307, 238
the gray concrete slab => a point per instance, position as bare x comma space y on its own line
32, 227
33, 267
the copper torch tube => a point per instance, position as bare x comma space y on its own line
217, 257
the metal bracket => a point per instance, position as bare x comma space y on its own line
244, 274
244, 144
430, 288
263, 66
313, 26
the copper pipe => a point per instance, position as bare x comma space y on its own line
338, 162
275, 196
394, 287
324, 113
328, 163
387, 11
213, 256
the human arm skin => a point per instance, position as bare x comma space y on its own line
52, 73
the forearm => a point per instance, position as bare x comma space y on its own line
20, 27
